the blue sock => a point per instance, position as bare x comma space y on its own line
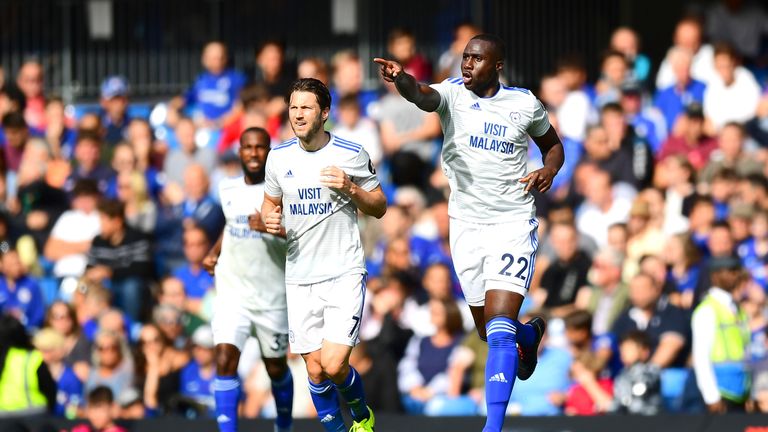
526, 334
226, 392
500, 370
352, 390
326, 402
282, 390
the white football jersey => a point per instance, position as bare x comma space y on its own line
251, 266
485, 150
321, 225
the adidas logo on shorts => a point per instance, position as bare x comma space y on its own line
499, 377
223, 419
327, 418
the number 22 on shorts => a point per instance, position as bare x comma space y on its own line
521, 264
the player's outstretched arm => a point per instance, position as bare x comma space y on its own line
424, 96
273, 214
373, 202
554, 156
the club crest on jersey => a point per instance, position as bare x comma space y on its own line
515, 117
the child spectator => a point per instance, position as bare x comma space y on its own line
100, 412
590, 394
637, 389
197, 376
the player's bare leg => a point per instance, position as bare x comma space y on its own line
226, 387
329, 370
498, 324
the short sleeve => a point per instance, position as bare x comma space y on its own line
363, 173
540, 121
445, 89
271, 185
674, 321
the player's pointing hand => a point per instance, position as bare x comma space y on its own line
274, 220
389, 69
541, 179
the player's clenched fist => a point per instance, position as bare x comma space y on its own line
273, 220
334, 178
389, 69
209, 262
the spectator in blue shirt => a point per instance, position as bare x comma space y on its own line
69, 393
88, 165
114, 104
60, 138
216, 90
673, 100
184, 208
197, 376
19, 294
196, 280
347, 79
645, 127
540, 394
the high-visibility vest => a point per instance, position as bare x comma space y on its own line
729, 350
19, 390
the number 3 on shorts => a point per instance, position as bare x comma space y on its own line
522, 262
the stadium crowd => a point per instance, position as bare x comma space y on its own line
653, 240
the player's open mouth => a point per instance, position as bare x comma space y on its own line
466, 77
255, 166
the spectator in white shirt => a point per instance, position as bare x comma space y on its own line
733, 94
601, 209
73, 232
354, 127
688, 35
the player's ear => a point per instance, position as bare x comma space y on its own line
500, 65
326, 112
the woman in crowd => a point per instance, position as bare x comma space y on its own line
77, 349
140, 210
158, 368
111, 364
422, 372
683, 259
